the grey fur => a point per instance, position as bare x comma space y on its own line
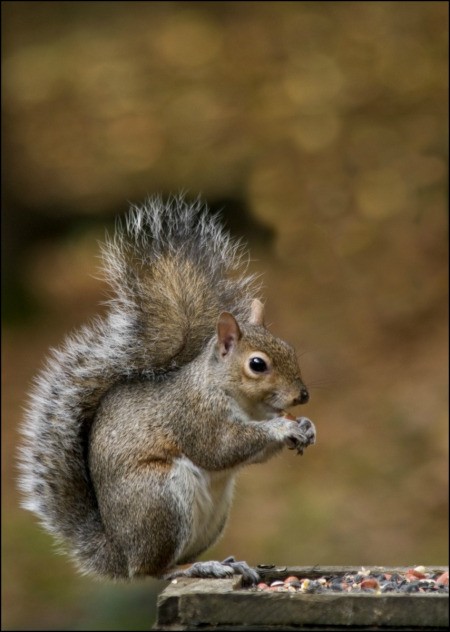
129, 401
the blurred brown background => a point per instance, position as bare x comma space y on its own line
321, 130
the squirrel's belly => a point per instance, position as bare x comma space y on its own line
208, 496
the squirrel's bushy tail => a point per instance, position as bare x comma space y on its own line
173, 269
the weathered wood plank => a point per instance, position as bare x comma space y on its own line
224, 604
278, 609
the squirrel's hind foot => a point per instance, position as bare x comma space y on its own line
218, 570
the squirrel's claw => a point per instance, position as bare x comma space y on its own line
304, 436
249, 575
217, 570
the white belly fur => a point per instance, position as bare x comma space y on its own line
206, 496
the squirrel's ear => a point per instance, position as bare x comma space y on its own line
257, 313
228, 333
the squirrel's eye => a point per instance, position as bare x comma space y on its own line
258, 365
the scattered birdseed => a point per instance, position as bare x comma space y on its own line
414, 580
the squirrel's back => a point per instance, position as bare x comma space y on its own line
172, 269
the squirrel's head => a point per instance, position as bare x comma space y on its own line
262, 371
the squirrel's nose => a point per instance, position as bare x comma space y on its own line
303, 397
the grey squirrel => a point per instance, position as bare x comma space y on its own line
139, 423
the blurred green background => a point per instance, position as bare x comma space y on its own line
321, 130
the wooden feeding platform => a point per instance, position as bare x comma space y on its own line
225, 604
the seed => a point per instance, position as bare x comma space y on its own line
305, 585
411, 581
443, 579
370, 582
418, 572
412, 587
296, 585
420, 569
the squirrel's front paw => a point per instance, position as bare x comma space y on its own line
297, 434
303, 434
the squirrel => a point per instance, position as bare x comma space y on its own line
138, 424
